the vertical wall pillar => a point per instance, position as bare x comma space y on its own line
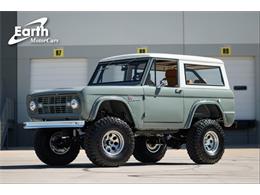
8, 70
258, 84
1, 99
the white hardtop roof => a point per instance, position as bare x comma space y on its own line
164, 55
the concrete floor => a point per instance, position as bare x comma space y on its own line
236, 166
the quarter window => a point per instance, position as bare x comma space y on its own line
203, 75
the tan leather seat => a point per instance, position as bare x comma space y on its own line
171, 77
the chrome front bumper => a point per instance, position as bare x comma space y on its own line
54, 124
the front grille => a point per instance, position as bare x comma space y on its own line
54, 104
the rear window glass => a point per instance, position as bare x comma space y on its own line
203, 75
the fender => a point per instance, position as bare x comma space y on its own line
100, 100
196, 105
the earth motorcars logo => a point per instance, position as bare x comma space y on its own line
34, 30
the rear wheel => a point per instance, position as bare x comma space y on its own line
205, 142
55, 147
149, 150
109, 142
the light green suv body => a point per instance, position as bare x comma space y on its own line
163, 111
200, 91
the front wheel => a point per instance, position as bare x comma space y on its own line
205, 142
109, 142
55, 147
149, 150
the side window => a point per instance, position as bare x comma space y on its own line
203, 75
163, 71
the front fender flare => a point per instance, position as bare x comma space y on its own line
100, 100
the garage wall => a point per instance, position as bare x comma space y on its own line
110, 28
221, 27
195, 33
116, 28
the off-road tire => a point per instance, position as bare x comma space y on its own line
46, 155
195, 138
142, 154
93, 142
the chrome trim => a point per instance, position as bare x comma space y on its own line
229, 112
54, 124
211, 143
113, 143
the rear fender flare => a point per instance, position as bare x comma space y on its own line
194, 108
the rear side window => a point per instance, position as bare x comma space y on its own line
203, 75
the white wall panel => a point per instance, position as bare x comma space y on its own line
58, 73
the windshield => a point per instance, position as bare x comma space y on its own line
119, 72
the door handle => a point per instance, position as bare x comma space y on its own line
178, 90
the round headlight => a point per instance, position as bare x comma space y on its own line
74, 104
32, 105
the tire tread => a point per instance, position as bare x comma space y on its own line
194, 148
92, 135
44, 153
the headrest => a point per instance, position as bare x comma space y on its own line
171, 73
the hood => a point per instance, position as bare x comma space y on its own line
93, 90
58, 90
112, 90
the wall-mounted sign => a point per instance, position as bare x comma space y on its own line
36, 31
142, 50
225, 51
58, 52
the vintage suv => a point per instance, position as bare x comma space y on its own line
136, 104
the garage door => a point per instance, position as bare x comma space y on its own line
241, 76
58, 73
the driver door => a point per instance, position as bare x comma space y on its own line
163, 98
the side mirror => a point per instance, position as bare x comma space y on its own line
162, 83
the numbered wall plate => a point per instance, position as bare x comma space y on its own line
58, 52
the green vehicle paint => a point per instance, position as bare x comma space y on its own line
153, 107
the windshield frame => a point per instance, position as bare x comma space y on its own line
120, 83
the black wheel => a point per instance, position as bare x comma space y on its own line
109, 142
205, 142
148, 150
55, 147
